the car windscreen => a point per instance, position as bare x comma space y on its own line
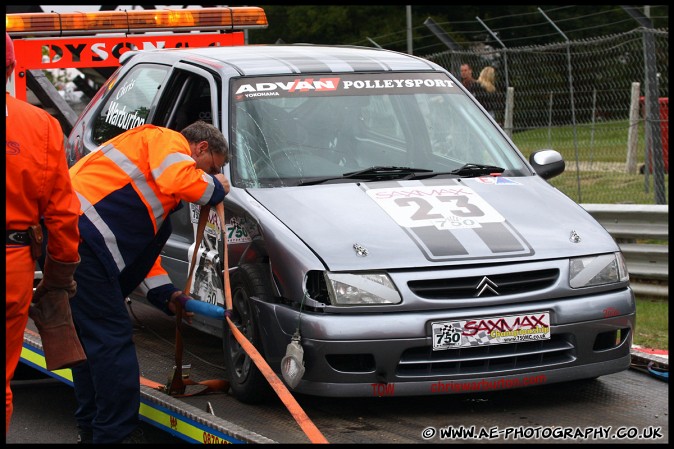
294, 130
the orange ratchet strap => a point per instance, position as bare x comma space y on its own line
179, 382
307, 426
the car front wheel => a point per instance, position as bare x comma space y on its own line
248, 384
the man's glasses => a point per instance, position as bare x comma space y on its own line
214, 170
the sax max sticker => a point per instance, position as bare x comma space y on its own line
491, 331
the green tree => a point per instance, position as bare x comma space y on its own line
518, 25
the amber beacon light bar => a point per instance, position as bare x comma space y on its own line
135, 21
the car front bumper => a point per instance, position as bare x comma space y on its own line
361, 355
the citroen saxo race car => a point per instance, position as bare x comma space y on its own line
379, 222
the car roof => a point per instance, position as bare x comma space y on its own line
297, 58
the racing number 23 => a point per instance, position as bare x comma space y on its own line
424, 208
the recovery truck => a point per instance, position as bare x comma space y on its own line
93, 43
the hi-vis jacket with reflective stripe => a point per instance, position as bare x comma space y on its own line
127, 188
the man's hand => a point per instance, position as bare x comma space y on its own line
196, 306
180, 298
56, 276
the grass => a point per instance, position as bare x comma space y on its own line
598, 144
652, 328
607, 187
601, 142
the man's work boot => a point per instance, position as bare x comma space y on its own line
84, 436
135, 437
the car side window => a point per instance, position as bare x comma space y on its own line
128, 106
194, 103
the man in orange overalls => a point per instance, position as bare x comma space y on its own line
128, 187
38, 187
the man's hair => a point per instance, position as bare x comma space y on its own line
200, 130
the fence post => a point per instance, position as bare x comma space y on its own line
633, 131
654, 150
573, 104
550, 103
594, 116
510, 105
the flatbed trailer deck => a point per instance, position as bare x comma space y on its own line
196, 419
631, 399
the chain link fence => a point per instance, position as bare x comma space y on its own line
602, 103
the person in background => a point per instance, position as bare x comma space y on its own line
487, 93
128, 187
37, 187
467, 79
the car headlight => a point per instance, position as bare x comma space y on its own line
361, 289
597, 270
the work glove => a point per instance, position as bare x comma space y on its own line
56, 276
51, 313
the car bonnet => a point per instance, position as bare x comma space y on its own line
404, 224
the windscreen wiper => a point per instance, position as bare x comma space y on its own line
469, 170
466, 171
376, 173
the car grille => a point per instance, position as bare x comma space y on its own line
469, 287
423, 361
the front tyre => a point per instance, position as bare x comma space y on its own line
248, 384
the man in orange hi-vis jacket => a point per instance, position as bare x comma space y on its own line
128, 187
37, 187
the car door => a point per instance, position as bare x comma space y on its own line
190, 94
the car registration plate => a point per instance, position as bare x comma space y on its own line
490, 331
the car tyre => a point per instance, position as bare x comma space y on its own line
247, 383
